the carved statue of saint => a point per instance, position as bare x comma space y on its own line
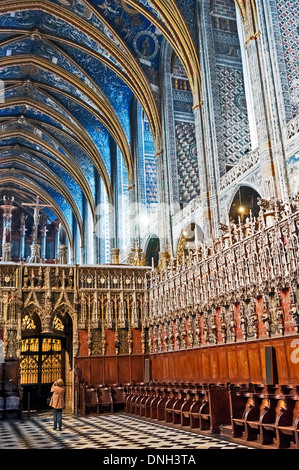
295, 317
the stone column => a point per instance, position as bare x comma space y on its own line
206, 175
43, 241
132, 215
56, 224
163, 208
114, 255
7, 220
6, 252
206, 116
267, 115
22, 236
62, 254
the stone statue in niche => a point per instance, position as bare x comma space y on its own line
243, 325
183, 334
267, 322
150, 339
196, 331
232, 329
26, 278
280, 320
266, 316
252, 323
177, 334
171, 338
223, 326
213, 330
190, 332
165, 336
295, 317
205, 330
157, 339
159, 333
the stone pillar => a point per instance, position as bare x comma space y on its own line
56, 240
7, 220
114, 255
206, 175
132, 216
43, 242
6, 252
62, 254
164, 228
267, 114
22, 236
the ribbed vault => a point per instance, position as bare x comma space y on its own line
72, 71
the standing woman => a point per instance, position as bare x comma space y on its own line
57, 402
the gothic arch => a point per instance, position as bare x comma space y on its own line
152, 249
187, 239
243, 200
31, 321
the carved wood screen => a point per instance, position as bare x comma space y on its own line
41, 361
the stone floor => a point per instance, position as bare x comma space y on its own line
108, 431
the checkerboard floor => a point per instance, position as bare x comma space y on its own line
111, 431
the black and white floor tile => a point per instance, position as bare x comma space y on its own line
109, 431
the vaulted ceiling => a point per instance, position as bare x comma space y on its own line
71, 70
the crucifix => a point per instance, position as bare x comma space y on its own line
36, 206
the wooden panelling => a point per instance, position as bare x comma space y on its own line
96, 371
242, 361
235, 363
232, 364
254, 363
223, 364
84, 366
111, 369
137, 368
280, 357
205, 365
123, 370
214, 365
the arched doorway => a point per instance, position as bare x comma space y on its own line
152, 251
44, 357
244, 203
187, 240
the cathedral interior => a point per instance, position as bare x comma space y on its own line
149, 215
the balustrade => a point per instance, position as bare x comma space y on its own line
251, 260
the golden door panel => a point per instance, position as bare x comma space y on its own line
29, 369
41, 360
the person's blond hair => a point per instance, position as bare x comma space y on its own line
60, 383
